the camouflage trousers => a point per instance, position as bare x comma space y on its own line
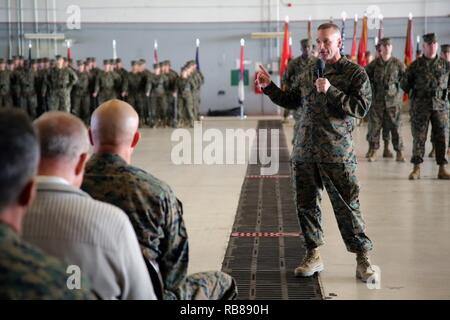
28, 103
171, 112
420, 118
388, 119
81, 107
196, 105
159, 103
59, 101
137, 101
342, 186
214, 285
6, 101
105, 95
185, 111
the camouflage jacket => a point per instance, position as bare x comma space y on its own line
81, 88
5, 82
325, 130
26, 273
386, 77
172, 77
427, 82
197, 80
294, 68
28, 82
135, 84
106, 81
154, 211
160, 84
184, 87
59, 80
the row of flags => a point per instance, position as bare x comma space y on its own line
357, 52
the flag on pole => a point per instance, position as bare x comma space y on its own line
418, 46
155, 52
409, 45
197, 57
344, 17
381, 29
291, 52
30, 45
114, 44
355, 27
69, 50
309, 28
363, 44
241, 92
285, 54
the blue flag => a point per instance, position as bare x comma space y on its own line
197, 59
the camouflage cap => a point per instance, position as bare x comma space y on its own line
57, 57
142, 61
134, 62
39, 60
45, 60
445, 48
112, 61
80, 62
306, 43
161, 64
33, 61
106, 62
156, 65
118, 60
10, 61
429, 37
2, 61
15, 57
93, 59
385, 42
21, 58
89, 59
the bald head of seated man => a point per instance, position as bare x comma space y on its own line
155, 212
67, 223
114, 129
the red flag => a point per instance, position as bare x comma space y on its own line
409, 45
363, 44
355, 26
155, 52
286, 52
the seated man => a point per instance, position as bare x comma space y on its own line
68, 224
151, 205
25, 272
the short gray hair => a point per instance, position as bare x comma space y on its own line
61, 135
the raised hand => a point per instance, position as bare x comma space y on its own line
262, 78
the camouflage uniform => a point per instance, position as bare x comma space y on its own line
5, 89
58, 83
81, 98
427, 82
28, 97
290, 82
26, 273
15, 86
105, 86
171, 115
385, 77
185, 102
159, 98
197, 81
157, 217
135, 88
323, 154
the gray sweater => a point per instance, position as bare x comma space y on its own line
97, 237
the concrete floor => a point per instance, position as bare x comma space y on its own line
408, 221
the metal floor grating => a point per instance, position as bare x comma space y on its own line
265, 246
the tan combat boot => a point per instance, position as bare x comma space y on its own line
443, 173
400, 157
415, 174
311, 264
387, 153
372, 155
364, 269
